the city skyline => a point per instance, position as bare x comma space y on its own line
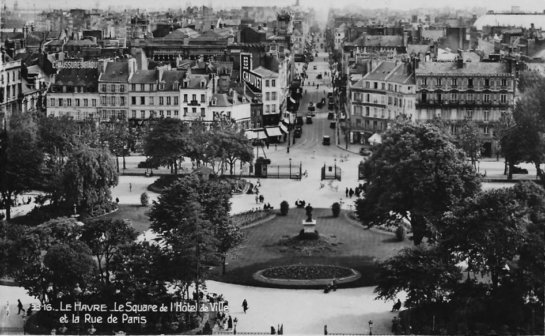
498, 5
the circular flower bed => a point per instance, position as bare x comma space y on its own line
307, 272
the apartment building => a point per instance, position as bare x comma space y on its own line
113, 88
10, 86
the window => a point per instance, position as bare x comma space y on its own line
194, 97
367, 85
86, 102
267, 109
121, 88
273, 82
389, 100
185, 98
175, 100
469, 114
375, 85
266, 83
150, 100
168, 100
122, 101
504, 82
486, 82
133, 114
424, 81
142, 100
94, 102
77, 102
133, 100
383, 86
273, 95
61, 102
503, 98
439, 81
486, 130
203, 112
142, 87
267, 96
470, 97
112, 87
161, 101
133, 87
194, 110
161, 113
486, 115
185, 111
367, 98
470, 82
52, 102
487, 98
202, 98
175, 113
454, 82
103, 88
168, 113
112, 101
143, 114
273, 108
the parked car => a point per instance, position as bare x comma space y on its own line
365, 152
326, 141
518, 170
309, 120
332, 125
329, 94
297, 132
299, 121
311, 106
330, 106
331, 116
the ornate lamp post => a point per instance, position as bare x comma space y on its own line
370, 327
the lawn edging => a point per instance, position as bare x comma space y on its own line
307, 282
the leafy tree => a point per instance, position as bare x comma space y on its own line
89, 174
105, 237
144, 199
469, 140
512, 144
416, 174
426, 274
234, 146
20, 159
116, 135
528, 80
167, 142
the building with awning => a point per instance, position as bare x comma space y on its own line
255, 134
273, 131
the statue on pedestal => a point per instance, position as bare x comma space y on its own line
309, 209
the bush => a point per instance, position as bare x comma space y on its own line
401, 233
284, 207
336, 209
144, 199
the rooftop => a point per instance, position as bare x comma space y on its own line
428, 68
144, 76
264, 72
381, 72
116, 72
77, 77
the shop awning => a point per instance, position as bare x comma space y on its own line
258, 133
283, 128
273, 131
250, 135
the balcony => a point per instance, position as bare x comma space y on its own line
194, 103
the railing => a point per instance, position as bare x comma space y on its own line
194, 103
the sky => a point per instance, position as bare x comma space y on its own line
530, 5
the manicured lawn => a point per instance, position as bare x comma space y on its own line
348, 245
136, 213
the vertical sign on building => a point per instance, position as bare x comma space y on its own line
245, 63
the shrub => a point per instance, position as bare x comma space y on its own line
400, 233
284, 207
336, 209
144, 199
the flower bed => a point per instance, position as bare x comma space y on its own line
307, 272
248, 217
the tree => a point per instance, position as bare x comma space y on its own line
51, 259
20, 159
105, 237
89, 174
234, 146
115, 134
528, 80
416, 174
469, 140
167, 142
512, 144
426, 274
186, 215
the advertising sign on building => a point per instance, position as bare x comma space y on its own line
253, 80
245, 63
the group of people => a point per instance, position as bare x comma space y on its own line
224, 321
259, 199
332, 286
357, 191
267, 206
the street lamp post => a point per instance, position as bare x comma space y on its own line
370, 327
290, 168
235, 321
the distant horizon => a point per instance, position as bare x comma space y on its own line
394, 5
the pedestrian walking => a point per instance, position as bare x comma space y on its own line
261, 198
229, 322
7, 308
346, 192
20, 307
130, 187
351, 192
245, 305
256, 199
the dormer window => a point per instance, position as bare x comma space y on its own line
213, 102
161, 86
202, 85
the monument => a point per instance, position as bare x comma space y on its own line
309, 224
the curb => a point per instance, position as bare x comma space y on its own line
306, 283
